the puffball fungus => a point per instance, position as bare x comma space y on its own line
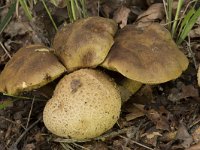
85, 104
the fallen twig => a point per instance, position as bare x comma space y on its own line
103, 137
12, 122
79, 146
5, 50
135, 142
30, 112
14, 146
191, 53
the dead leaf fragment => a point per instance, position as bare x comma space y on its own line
182, 134
189, 91
39, 137
30, 146
121, 16
186, 91
17, 28
144, 95
96, 146
194, 147
195, 33
168, 136
151, 136
154, 12
161, 117
174, 95
136, 111
196, 135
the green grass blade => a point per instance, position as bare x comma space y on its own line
78, 8
174, 27
69, 11
169, 12
189, 26
8, 17
84, 10
54, 2
49, 14
185, 21
26, 9
73, 10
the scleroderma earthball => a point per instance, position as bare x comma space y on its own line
85, 104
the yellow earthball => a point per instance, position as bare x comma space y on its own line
85, 104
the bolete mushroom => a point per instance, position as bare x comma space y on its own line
85, 43
147, 55
85, 104
30, 68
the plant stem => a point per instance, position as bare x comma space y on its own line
51, 18
174, 27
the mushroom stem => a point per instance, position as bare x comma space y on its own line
127, 88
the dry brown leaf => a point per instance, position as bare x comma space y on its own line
196, 135
144, 95
161, 117
96, 146
150, 2
121, 16
39, 137
3, 56
183, 135
194, 147
174, 95
189, 91
108, 6
186, 91
168, 136
151, 136
17, 28
195, 33
153, 13
30, 146
136, 111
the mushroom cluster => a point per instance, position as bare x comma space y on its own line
86, 101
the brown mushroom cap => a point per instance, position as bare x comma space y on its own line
147, 55
85, 104
30, 68
84, 43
